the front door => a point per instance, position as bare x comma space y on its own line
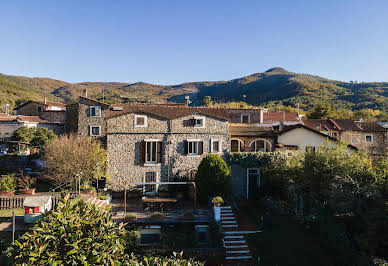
253, 182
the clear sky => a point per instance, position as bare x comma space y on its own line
169, 42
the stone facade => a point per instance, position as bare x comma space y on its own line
124, 146
359, 139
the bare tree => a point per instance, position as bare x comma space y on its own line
73, 155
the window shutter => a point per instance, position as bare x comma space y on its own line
36, 209
27, 210
186, 144
192, 122
200, 147
142, 152
160, 152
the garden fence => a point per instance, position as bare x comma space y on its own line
17, 202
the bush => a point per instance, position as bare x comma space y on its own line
213, 177
8, 182
26, 181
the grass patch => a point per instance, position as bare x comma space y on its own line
284, 241
7, 213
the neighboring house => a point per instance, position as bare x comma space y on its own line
301, 137
9, 124
153, 143
53, 113
369, 136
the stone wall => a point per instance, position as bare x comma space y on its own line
357, 138
84, 119
54, 116
235, 115
124, 140
71, 125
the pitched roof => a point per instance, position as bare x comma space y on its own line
255, 130
343, 125
280, 116
36, 201
49, 103
94, 100
169, 111
320, 124
372, 127
22, 118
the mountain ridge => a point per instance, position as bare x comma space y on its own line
275, 86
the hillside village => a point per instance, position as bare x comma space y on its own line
151, 175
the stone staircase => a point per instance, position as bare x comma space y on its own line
97, 201
237, 250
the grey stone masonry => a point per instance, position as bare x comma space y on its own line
124, 146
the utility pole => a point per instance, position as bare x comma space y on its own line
98, 166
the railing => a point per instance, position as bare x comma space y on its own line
17, 202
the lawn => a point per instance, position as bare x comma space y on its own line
5, 214
284, 241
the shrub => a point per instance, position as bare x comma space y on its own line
7, 182
157, 215
213, 177
77, 233
218, 201
26, 181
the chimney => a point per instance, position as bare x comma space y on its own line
45, 100
187, 100
281, 126
261, 116
86, 93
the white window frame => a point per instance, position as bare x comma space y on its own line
219, 145
198, 118
151, 163
188, 147
140, 116
151, 183
91, 131
265, 145
95, 107
371, 138
249, 118
258, 183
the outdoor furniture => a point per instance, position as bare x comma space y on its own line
158, 203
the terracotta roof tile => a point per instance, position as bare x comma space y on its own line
372, 127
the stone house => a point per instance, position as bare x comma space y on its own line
364, 135
153, 143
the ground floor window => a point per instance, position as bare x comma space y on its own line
237, 145
260, 145
150, 177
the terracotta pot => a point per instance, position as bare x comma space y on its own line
7, 193
90, 192
30, 191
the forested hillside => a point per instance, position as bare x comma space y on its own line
275, 86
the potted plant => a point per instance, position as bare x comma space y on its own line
26, 182
87, 188
7, 185
163, 192
218, 201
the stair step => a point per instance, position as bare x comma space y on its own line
228, 218
238, 258
229, 222
226, 207
238, 246
229, 225
229, 237
237, 251
234, 242
227, 214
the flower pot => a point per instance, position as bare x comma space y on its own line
29, 191
89, 191
7, 193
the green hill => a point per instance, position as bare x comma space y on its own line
276, 85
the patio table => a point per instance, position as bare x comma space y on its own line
158, 201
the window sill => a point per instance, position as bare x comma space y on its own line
193, 155
151, 164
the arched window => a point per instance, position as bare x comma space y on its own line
237, 145
260, 145
192, 173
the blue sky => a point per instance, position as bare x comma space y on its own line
169, 42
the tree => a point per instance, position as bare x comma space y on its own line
42, 137
213, 177
207, 101
77, 233
320, 111
69, 156
367, 114
23, 134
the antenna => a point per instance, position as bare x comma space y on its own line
103, 95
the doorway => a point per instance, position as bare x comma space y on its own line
253, 182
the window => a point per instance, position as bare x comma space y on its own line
95, 131
193, 147
335, 135
199, 122
245, 118
369, 138
151, 152
95, 111
237, 145
216, 146
140, 121
150, 177
202, 233
260, 145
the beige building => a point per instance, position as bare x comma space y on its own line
9, 124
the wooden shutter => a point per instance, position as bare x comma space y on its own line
160, 152
192, 122
186, 144
142, 152
200, 147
